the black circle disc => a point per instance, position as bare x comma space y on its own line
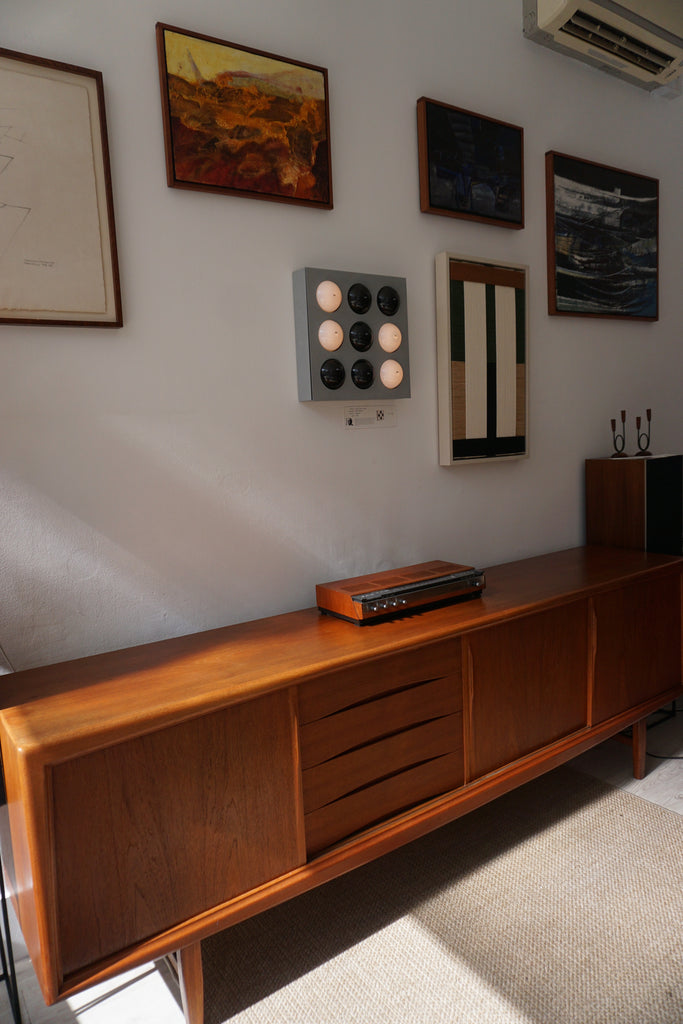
359, 298
360, 336
332, 374
388, 300
362, 373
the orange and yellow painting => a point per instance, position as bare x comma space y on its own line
238, 120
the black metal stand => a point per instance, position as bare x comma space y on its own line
9, 975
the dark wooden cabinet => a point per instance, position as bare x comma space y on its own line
159, 794
636, 503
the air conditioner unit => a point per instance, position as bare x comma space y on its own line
638, 40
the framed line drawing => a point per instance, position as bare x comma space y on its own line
243, 122
602, 228
58, 255
482, 359
471, 166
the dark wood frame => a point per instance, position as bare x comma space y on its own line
428, 203
112, 315
186, 181
603, 177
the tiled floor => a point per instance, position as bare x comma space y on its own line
146, 995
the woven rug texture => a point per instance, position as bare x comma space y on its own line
559, 903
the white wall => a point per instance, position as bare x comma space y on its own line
164, 478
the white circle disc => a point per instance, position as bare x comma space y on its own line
330, 335
389, 337
391, 373
328, 296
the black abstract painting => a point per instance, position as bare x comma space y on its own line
470, 166
602, 240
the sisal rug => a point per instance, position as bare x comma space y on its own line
559, 903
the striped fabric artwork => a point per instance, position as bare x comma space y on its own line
487, 306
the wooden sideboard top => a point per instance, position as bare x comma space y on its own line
68, 708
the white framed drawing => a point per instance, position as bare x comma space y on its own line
58, 256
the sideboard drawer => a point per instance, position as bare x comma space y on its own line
386, 741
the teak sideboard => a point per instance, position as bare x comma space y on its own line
159, 794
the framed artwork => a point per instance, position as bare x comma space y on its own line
602, 237
482, 343
470, 165
243, 122
58, 257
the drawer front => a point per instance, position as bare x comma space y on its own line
371, 805
366, 722
348, 687
387, 737
333, 779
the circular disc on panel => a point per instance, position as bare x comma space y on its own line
330, 335
332, 374
359, 297
360, 336
391, 373
389, 337
328, 296
388, 300
362, 373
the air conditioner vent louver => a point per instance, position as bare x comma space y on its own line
639, 41
611, 40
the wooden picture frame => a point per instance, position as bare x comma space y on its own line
602, 228
243, 122
58, 254
470, 166
482, 359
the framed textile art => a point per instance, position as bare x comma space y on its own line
602, 238
243, 122
471, 166
58, 256
482, 356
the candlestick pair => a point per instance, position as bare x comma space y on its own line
642, 437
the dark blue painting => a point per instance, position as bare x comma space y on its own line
602, 240
470, 165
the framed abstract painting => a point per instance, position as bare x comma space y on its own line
602, 240
243, 122
482, 357
471, 166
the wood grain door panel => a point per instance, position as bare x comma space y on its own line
157, 829
638, 645
528, 685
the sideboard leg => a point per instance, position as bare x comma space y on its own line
191, 978
639, 739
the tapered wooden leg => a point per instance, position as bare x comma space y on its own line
191, 978
639, 739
